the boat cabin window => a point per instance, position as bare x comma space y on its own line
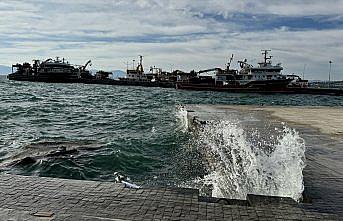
239, 77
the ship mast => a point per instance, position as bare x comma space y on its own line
229, 63
266, 57
140, 65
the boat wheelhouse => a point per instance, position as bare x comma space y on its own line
265, 75
136, 74
265, 70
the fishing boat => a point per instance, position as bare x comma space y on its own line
265, 76
50, 70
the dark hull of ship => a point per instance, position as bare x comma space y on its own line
185, 86
253, 86
46, 77
52, 78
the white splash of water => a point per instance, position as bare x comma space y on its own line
243, 163
181, 116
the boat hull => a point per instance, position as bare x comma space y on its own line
51, 78
267, 85
20, 77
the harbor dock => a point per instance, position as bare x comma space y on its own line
40, 198
43, 198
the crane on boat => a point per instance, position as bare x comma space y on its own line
85, 66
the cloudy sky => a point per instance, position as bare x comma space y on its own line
175, 34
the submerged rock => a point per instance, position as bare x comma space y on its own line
25, 161
31, 153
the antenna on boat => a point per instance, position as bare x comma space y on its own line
140, 65
330, 62
127, 65
266, 57
140, 59
229, 63
304, 71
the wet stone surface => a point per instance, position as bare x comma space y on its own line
38, 198
323, 174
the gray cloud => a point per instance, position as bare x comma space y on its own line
183, 34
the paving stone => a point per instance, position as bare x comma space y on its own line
89, 200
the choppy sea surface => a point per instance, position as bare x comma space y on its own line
137, 131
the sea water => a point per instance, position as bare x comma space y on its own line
141, 133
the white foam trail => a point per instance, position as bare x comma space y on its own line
181, 116
242, 163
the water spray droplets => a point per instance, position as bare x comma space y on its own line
181, 117
242, 161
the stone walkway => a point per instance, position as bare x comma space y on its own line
323, 175
38, 198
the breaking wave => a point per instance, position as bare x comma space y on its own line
251, 161
181, 117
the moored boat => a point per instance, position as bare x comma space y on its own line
264, 77
50, 71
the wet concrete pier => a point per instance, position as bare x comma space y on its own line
322, 129
38, 198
